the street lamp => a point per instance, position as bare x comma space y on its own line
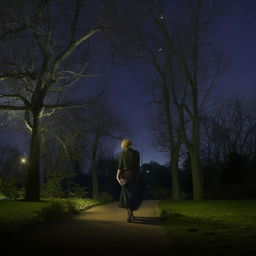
23, 160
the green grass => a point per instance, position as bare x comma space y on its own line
19, 215
210, 227
15, 214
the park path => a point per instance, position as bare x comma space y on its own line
101, 230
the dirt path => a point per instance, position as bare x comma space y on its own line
101, 230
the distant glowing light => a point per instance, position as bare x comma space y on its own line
23, 160
161, 16
160, 49
147, 171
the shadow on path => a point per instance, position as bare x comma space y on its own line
147, 220
101, 230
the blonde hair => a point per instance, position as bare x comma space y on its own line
126, 143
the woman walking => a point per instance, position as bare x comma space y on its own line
128, 177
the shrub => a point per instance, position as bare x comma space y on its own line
52, 188
2, 196
9, 188
60, 208
56, 210
160, 193
73, 206
234, 191
78, 191
105, 197
76, 205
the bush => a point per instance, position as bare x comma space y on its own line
56, 210
105, 197
217, 193
78, 191
60, 208
160, 193
9, 188
52, 188
235, 191
2, 196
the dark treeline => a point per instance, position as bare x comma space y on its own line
228, 150
49, 50
228, 162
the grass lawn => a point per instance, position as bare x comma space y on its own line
15, 214
18, 215
210, 227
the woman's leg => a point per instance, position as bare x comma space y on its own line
129, 191
130, 215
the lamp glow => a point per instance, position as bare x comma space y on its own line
23, 160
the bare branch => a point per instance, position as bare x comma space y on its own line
80, 74
26, 102
7, 107
11, 32
71, 48
27, 120
63, 144
216, 75
65, 106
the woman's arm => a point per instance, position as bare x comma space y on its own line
120, 180
118, 176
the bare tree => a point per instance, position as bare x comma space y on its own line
40, 61
101, 124
132, 37
168, 132
62, 147
192, 67
230, 129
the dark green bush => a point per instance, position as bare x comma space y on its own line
9, 188
78, 191
72, 206
160, 193
52, 188
104, 197
56, 210
60, 208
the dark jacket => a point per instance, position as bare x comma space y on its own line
129, 160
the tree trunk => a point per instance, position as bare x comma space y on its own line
95, 183
195, 162
173, 147
196, 174
176, 194
33, 181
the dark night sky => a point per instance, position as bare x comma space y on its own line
236, 35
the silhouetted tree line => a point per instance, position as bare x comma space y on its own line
12, 176
157, 180
154, 178
227, 152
